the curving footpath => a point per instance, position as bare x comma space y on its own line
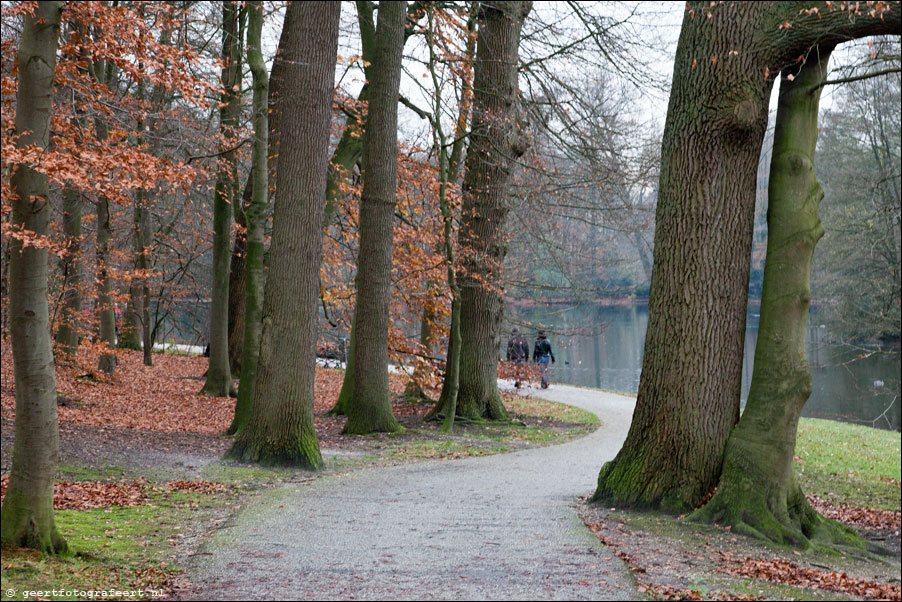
498, 527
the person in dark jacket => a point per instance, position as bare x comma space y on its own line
542, 354
518, 353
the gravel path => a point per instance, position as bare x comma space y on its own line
497, 527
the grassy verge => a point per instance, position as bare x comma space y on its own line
550, 410
849, 463
536, 422
127, 552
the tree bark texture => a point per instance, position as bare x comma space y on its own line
349, 152
255, 220
69, 332
497, 137
349, 149
239, 249
369, 408
219, 375
689, 391
758, 493
280, 429
26, 518
236, 281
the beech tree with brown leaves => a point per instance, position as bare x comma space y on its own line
27, 512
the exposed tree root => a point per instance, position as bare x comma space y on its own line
783, 517
302, 453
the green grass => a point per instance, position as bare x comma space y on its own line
75, 472
116, 548
447, 449
549, 410
849, 463
245, 476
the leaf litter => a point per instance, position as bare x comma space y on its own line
672, 561
86, 495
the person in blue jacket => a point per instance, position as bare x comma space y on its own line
542, 354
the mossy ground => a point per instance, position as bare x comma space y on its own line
126, 549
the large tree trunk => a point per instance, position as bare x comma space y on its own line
26, 518
369, 408
689, 391
280, 429
219, 375
758, 493
69, 332
497, 138
255, 220
348, 153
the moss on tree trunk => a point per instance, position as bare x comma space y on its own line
255, 221
689, 391
369, 407
758, 493
219, 374
280, 429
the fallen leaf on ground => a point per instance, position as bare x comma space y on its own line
790, 573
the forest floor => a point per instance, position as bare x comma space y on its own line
143, 495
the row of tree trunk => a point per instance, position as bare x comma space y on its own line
496, 140
682, 441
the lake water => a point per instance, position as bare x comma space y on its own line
601, 346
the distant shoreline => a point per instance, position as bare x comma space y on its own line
637, 301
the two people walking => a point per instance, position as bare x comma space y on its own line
518, 353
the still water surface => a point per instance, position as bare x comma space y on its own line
601, 346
